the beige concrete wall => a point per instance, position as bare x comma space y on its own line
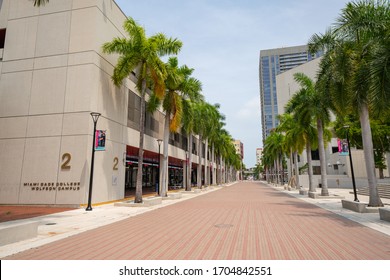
286, 85
53, 74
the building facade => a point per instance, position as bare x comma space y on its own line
239, 146
259, 154
53, 74
273, 62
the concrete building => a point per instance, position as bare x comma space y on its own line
239, 146
273, 62
259, 154
53, 74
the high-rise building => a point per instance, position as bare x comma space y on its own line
273, 62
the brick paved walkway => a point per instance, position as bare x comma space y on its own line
13, 213
247, 220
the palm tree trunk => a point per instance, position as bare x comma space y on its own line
138, 188
290, 170
296, 169
199, 169
374, 200
206, 164
189, 166
164, 164
220, 170
312, 187
269, 174
321, 150
274, 178
214, 170
278, 172
281, 170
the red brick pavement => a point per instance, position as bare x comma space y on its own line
244, 221
15, 212
18, 212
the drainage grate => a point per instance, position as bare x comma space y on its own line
223, 226
50, 224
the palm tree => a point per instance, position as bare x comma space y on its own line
216, 125
232, 160
353, 73
179, 86
213, 127
313, 104
294, 139
222, 149
267, 160
40, 2
140, 53
309, 132
258, 170
188, 127
205, 119
274, 149
201, 114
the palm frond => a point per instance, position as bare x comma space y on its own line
177, 113
39, 3
164, 45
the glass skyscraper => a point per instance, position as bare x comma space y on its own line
273, 62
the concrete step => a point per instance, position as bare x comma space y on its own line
383, 190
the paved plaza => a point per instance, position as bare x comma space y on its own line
242, 221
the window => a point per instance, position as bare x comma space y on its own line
315, 155
2, 37
316, 170
134, 105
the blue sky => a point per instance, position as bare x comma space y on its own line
222, 40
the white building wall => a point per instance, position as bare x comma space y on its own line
53, 74
286, 85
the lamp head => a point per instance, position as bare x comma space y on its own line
95, 116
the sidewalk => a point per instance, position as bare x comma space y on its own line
370, 220
246, 220
64, 224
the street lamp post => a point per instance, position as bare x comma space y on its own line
159, 141
350, 161
95, 117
